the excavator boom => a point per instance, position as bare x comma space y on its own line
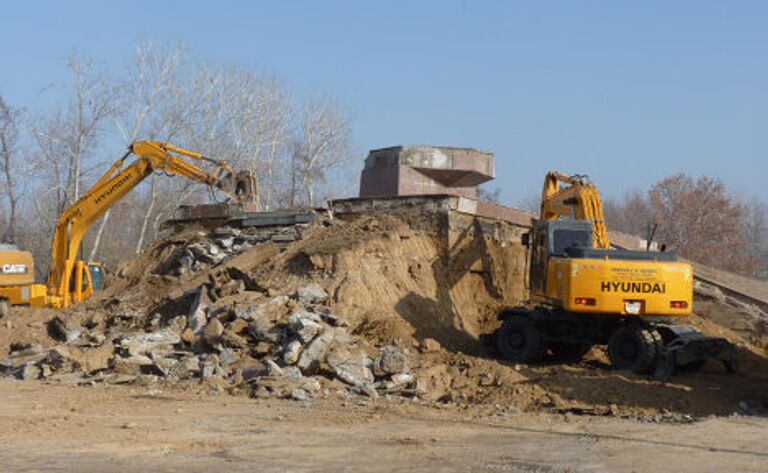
110, 189
577, 199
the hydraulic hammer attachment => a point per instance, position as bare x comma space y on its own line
240, 186
686, 348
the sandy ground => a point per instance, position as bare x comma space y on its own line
52, 428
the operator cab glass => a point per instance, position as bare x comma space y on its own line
564, 235
573, 239
97, 276
565, 238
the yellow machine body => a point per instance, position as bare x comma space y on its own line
17, 278
615, 287
583, 293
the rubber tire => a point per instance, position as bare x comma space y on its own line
519, 340
634, 348
566, 351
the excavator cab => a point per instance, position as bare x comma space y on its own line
80, 284
554, 238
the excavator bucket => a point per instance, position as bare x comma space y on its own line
688, 349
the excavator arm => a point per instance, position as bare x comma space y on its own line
577, 198
110, 189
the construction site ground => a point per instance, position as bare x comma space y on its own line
108, 428
353, 345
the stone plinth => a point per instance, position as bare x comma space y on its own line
423, 170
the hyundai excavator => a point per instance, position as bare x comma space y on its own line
584, 293
72, 280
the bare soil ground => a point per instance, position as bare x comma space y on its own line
107, 428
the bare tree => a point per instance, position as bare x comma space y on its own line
531, 202
71, 136
489, 194
322, 143
227, 114
239, 115
756, 236
9, 140
67, 143
151, 106
698, 217
629, 214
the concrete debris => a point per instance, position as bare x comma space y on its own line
226, 242
213, 332
30, 355
186, 368
31, 371
351, 366
142, 343
64, 330
311, 294
279, 342
392, 360
254, 312
315, 352
264, 331
430, 345
305, 325
292, 352
402, 379
197, 318
273, 369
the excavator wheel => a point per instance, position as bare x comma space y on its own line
519, 339
634, 348
566, 351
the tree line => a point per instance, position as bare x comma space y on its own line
699, 219
250, 119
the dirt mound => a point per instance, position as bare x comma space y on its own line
372, 305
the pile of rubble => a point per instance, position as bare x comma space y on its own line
298, 355
226, 241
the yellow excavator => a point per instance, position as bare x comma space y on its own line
584, 293
72, 280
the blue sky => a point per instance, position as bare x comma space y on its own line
627, 92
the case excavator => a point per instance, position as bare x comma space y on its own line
72, 280
584, 293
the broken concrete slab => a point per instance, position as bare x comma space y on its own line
32, 354
213, 332
392, 360
198, 313
316, 351
291, 352
65, 330
254, 312
351, 366
30, 371
305, 325
141, 343
187, 367
311, 294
